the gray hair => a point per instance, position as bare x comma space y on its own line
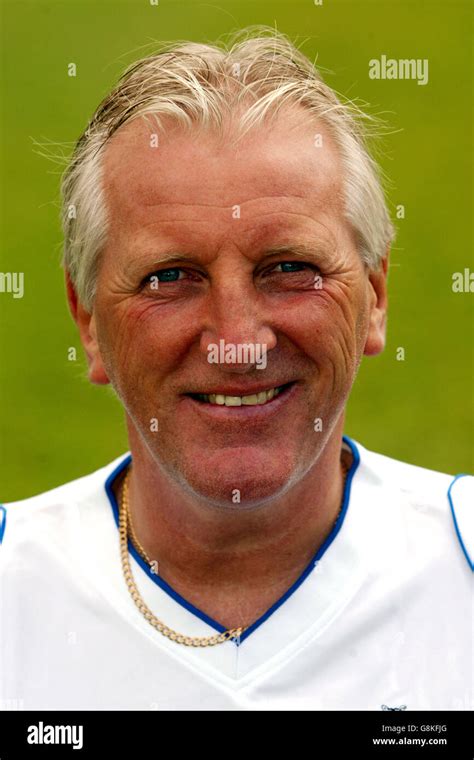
200, 84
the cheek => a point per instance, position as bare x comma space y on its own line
329, 326
140, 343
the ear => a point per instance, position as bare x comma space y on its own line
377, 283
87, 331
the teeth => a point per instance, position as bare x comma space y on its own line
233, 401
253, 400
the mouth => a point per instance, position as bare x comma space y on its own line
260, 398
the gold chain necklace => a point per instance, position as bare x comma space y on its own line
126, 530
189, 641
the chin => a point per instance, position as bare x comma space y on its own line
236, 480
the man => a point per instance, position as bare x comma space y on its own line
226, 254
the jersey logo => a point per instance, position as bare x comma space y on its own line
393, 709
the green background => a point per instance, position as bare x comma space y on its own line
54, 426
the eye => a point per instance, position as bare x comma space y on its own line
292, 266
288, 276
164, 275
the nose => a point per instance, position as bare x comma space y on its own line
238, 325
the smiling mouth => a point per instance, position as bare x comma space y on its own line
255, 399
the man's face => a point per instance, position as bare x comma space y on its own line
262, 255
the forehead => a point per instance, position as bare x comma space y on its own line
278, 175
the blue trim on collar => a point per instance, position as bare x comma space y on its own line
310, 567
456, 526
3, 521
145, 567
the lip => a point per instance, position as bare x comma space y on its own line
235, 390
239, 413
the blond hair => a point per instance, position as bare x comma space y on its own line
257, 73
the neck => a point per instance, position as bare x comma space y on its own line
233, 566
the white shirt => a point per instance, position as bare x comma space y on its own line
382, 617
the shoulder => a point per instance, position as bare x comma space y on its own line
443, 502
51, 509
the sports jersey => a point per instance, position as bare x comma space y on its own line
381, 618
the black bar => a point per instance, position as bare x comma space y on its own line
418, 734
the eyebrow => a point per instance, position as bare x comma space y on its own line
299, 249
